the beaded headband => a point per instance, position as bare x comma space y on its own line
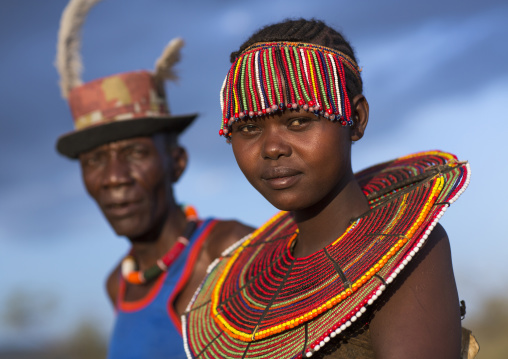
273, 76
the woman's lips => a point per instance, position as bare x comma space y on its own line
280, 177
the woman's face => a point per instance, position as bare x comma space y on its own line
294, 158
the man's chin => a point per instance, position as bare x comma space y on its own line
127, 228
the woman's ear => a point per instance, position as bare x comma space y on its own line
360, 108
179, 162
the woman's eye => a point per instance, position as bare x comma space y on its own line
248, 129
298, 122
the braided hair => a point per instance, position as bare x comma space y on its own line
308, 31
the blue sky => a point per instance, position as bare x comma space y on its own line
435, 76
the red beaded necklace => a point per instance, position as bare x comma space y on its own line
129, 265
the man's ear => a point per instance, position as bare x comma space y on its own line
179, 161
360, 108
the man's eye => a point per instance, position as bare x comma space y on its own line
138, 152
92, 160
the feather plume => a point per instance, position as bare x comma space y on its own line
68, 58
170, 56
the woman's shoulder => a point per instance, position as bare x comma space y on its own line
420, 312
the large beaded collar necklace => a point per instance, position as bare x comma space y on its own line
273, 76
259, 301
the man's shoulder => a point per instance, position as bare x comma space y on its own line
231, 228
224, 234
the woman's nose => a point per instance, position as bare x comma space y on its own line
275, 145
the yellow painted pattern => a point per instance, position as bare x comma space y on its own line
114, 88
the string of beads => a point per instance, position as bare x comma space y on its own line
312, 76
129, 266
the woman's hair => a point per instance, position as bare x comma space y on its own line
307, 31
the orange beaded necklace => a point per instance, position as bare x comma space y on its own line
129, 266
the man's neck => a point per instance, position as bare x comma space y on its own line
157, 242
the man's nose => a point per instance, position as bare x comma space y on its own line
116, 173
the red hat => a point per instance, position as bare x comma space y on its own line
116, 107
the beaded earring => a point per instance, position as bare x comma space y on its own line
273, 76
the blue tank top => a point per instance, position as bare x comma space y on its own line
149, 327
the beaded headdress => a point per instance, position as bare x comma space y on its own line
273, 76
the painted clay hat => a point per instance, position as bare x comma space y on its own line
116, 107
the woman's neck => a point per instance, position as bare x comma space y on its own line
321, 224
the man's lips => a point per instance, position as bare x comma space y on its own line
280, 177
118, 209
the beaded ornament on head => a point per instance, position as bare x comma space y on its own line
277, 76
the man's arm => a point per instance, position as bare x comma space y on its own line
112, 285
225, 234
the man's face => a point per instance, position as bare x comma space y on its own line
131, 182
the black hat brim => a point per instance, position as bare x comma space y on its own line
76, 142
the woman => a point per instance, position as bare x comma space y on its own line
354, 266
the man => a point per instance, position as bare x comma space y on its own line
126, 143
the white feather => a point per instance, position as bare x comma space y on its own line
68, 58
170, 56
